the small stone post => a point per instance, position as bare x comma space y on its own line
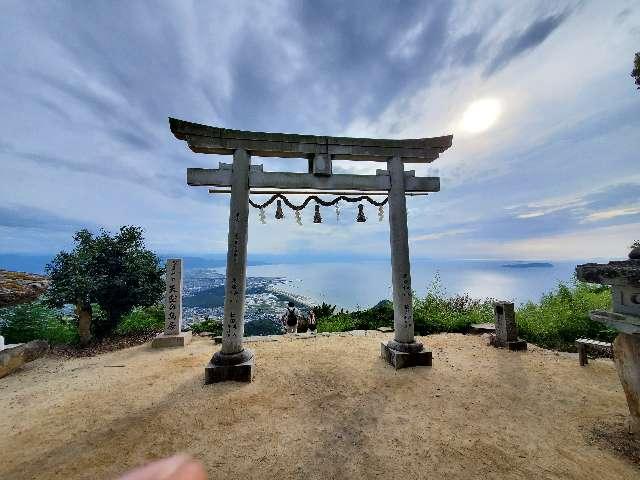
506, 329
173, 335
233, 361
403, 350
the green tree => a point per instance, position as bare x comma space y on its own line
635, 73
635, 244
115, 272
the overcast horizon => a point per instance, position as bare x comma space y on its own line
544, 114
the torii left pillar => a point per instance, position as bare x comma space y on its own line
233, 361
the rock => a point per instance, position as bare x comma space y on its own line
20, 287
483, 328
385, 329
634, 254
13, 358
205, 334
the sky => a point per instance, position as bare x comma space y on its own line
538, 95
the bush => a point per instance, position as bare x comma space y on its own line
340, 322
141, 320
36, 321
562, 316
438, 313
372, 318
262, 326
324, 310
212, 325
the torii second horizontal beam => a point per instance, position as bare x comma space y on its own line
314, 192
212, 177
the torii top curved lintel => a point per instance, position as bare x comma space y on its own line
208, 139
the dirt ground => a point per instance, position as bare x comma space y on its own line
318, 408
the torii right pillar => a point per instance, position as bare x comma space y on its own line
403, 351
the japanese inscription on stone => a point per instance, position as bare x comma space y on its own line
173, 300
407, 313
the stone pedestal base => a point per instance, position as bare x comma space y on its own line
514, 346
416, 358
238, 367
626, 354
166, 341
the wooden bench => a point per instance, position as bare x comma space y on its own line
583, 343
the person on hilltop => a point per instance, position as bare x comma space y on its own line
290, 318
312, 321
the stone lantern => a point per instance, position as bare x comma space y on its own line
624, 279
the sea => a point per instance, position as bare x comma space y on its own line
362, 284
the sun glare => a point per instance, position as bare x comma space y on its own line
481, 115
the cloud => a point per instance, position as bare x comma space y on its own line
613, 213
532, 36
88, 89
439, 235
604, 243
587, 207
23, 216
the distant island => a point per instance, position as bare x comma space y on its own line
528, 265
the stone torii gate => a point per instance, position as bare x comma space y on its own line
233, 361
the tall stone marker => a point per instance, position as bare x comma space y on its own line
173, 336
506, 335
624, 279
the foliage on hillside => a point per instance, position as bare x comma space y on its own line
36, 321
142, 320
562, 316
212, 325
437, 312
380, 315
556, 321
263, 326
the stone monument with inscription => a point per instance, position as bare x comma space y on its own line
173, 336
624, 279
506, 335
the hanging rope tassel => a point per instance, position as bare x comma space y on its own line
381, 213
316, 216
361, 218
298, 218
279, 212
263, 217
